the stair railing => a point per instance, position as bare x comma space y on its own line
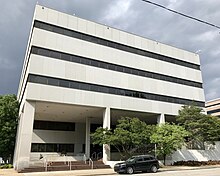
84, 158
99, 156
70, 163
91, 163
45, 163
93, 156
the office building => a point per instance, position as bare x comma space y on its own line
78, 75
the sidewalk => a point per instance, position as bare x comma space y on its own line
177, 168
11, 172
98, 172
8, 172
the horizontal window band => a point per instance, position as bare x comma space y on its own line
52, 147
212, 105
213, 111
111, 44
39, 79
54, 125
110, 66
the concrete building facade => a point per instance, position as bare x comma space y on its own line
78, 75
213, 107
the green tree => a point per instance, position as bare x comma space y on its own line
168, 138
129, 135
8, 122
202, 127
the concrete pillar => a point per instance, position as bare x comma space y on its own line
87, 142
24, 136
106, 124
161, 119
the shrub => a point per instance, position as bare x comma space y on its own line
196, 163
6, 166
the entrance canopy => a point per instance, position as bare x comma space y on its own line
50, 111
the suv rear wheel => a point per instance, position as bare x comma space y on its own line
130, 170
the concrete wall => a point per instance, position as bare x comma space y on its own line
196, 155
76, 137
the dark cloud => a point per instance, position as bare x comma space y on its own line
133, 16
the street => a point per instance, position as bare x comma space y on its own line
109, 172
197, 172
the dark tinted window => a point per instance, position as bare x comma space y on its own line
84, 86
43, 52
213, 111
76, 35
52, 125
34, 148
55, 54
67, 32
64, 83
147, 158
75, 59
139, 159
48, 147
74, 85
65, 57
41, 148
94, 63
40, 79
53, 82
51, 147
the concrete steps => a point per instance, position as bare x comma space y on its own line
62, 166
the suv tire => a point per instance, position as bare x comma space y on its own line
153, 169
130, 170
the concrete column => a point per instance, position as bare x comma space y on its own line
161, 119
24, 137
87, 142
106, 124
17, 140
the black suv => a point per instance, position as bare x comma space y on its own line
142, 163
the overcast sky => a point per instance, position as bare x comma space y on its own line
133, 16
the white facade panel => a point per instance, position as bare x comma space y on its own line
50, 136
91, 28
72, 22
52, 16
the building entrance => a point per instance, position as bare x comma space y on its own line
96, 151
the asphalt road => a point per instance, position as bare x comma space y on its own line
197, 172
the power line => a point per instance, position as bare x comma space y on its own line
182, 14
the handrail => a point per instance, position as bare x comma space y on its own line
91, 163
84, 158
45, 163
70, 163
98, 157
67, 160
94, 155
